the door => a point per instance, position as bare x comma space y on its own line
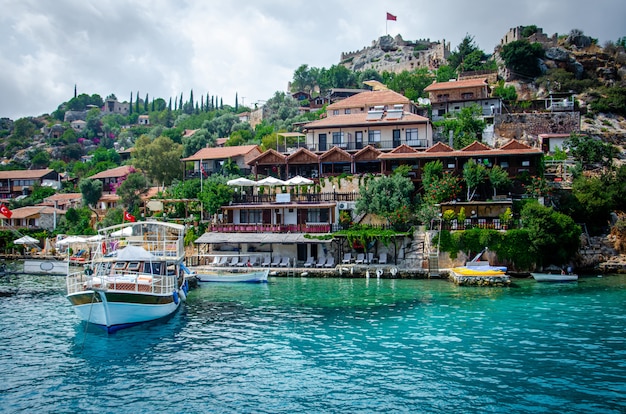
396, 138
302, 256
358, 137
322, 138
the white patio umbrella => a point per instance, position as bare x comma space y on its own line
270, 182
70, 240
241, 182
299, 180
26, 240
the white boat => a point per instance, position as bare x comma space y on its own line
255, 276
554, 277
135, 276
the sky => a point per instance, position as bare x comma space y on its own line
246, 48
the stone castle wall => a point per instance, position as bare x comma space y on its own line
519, 125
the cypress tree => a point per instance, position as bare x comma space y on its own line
131, 104
236, 102
207, 102
169, 105
180, 105
221, 103
152, 104
137, 102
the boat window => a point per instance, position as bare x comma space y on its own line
133, 266
120, 265
153, 268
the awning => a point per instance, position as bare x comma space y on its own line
258, 238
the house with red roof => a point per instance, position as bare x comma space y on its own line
15, 183
208, 161
383, 119
452, 96
112, 178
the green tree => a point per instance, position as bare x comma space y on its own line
507, 93
159, 159
41, 159
445, 73
215, 193
467, 56
554, 237
499, 178
24, 128
474, 175
522, 58
589, 151
409, 84
385, 195
76, 221
91, 191
466, 125
131, 190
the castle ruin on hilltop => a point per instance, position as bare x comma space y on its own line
394, 54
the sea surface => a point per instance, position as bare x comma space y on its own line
305, 345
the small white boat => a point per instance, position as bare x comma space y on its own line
554, 277
46, 267
255, 276
135, 276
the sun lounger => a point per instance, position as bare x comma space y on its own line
243, 261
330, 262
310, 262
284, 262
321, 262
369, 258
360, 258
266, 261
382, 259
276, 261
223, 261
234, 261
347, 258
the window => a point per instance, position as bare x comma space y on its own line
374, 136
120, 265
525, 163
411, 137
153, 268
335, 111
467, 95
133, 266
317, 215
250, 216
347, 111
504, 164
338, 138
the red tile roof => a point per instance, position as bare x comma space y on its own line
30, 211
121, 171
369, 99
24, 174
467, 83
480, 150
222, 152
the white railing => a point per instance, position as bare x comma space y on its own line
122, 281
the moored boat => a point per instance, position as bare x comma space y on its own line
135, 276
255, 276
554, 277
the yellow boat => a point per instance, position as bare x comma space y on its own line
476, 271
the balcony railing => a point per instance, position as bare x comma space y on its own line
239, 198
271, 228
383, 145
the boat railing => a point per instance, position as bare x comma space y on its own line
122, 281
162, 247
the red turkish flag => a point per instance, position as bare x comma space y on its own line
4, 210
129, 217
391, 17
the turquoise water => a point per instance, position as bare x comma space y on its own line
326, 346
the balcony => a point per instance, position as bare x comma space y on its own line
239, 198
271, 228
382, 145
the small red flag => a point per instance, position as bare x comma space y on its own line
129, 217
391, 17
4, 210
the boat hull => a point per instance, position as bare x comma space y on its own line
116, 310
244, 277
477, 271
548, 277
